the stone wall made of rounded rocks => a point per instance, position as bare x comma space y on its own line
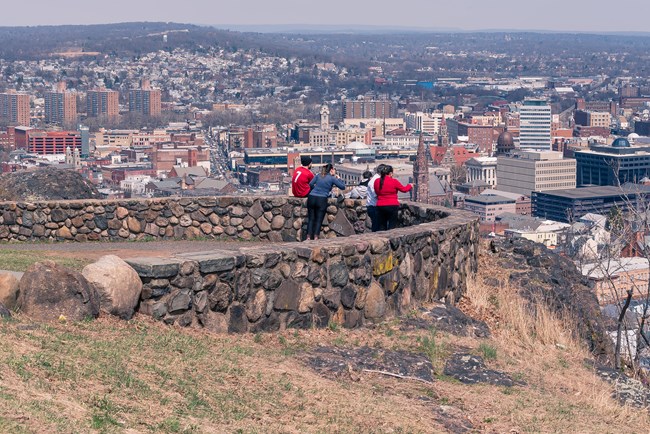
349, 281
266, 218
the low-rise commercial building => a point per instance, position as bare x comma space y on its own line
570, 204
489, 207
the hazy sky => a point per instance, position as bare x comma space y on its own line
578, 15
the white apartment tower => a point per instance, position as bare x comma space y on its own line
428, 123
535, 125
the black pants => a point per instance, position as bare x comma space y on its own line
387, 216
316, 210
374, 218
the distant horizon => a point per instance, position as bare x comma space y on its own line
368, 28
352, 28
577, 16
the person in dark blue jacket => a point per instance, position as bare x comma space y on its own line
321, 187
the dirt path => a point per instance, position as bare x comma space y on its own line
125, 249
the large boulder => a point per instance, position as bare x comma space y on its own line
118, 285
48, 292
9, 288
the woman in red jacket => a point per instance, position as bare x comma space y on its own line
386, 188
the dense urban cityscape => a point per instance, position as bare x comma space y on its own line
545, 137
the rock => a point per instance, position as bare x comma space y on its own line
470, 369
287, 296
179, 303
263, 224
215, 322
341, 225
185, 220
118, 285
201, 301
65, 233
330, 361
306, 301
375, 302
134, 225
348, 296
339, 274
256, 210
48, 291
9, 289
238, 322
4, 312
256, 306
321, 315
220, 297
121, 212
277, 222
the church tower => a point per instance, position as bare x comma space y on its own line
443, 134
421, 174
324, 118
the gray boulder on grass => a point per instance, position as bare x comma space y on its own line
48, 291
117, 284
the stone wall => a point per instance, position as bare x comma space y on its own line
362, 278
267, 218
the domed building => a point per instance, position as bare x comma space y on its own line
621, 142
505, 143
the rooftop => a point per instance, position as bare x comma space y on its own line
595, 192
489, 200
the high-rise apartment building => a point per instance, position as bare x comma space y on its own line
60, 106
102, 102
535, 125
14, 108
145, 100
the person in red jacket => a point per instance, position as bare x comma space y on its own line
301, 178
386, 188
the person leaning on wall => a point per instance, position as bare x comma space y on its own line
386, 188
301, 178
321, 188
371, 199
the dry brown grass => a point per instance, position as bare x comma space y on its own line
141, 376
563, 393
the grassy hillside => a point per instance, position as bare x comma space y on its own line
141, 376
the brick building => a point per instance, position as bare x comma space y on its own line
146, 101
14, 108
102, 102
52, 142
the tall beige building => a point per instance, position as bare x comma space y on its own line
528, 171
14, 107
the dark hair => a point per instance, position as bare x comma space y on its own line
380, 168
305, 160
326, 169
386, 170
367, 174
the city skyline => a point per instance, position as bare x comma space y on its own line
474, 15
